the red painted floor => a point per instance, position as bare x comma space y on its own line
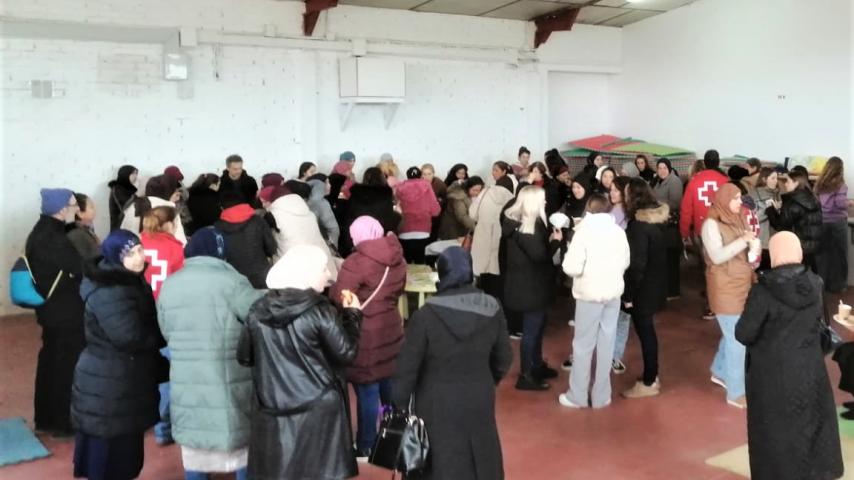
664, 437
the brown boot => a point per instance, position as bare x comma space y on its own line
639, 390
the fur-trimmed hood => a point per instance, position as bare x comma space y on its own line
654, 215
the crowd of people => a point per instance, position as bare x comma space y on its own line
232, 317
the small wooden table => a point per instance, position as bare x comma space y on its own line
420, 279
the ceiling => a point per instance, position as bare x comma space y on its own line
612, 13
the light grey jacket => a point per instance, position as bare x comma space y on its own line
669, 191
323, 211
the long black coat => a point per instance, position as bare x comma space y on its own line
375, 201
298, 344
529, 276
646, 277
115, 381
248, 246
791, 416
204, 207
800, 213
456, 351
49, 250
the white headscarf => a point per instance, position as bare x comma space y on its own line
299, 268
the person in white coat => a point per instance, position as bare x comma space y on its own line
298, 226
596, 260
486, 210
160, 191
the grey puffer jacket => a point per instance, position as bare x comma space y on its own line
321, 208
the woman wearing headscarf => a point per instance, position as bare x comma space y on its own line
376, 273
528, 284
579, 193
730, 247
322, 210
418, 207
122, 194
792, 428
203, 202
344, 167
456, 351
594, 161
486, 210
645, 171
668, 189
298, 344
604, 179
200, 310
114, 397
298, 226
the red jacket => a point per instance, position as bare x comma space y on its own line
699, 194
382, 329
165, 256
418, 205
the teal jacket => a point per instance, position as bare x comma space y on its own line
200, 310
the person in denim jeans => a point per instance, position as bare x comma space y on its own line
732, 251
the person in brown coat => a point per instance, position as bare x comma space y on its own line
376, 273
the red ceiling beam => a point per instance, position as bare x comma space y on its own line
557, 21
312, 12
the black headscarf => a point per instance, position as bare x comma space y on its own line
506, 183
454, 265
123, 177
575, 207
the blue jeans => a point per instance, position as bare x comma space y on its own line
191, 475
624, 321
368, 398
728, 364
531, 348
163, 429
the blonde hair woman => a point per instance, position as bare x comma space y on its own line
389, 169
529, 248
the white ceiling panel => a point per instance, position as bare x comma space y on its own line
612, 3
393, 4
661, 5
594, 15
460, 7
631, 16
526, 9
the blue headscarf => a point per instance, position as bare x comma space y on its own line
206, 242
454, 265
117, 245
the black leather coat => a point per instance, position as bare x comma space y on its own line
298, 344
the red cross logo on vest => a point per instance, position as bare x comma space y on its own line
159, 275
703, 192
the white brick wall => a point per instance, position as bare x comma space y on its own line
275, 107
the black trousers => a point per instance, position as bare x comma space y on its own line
832, 256
674, 257
413, 250
54, 376
645, 330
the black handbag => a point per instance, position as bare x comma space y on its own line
402, 444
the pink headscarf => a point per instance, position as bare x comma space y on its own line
365, 228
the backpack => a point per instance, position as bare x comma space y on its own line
22, 285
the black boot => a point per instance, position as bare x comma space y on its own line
529, 382
545, 372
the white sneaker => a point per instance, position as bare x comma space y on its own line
571, 322
718, 381
564, 400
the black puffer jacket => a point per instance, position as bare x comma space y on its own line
115, 381
529, 277
800, 214
374, 201
646, 278
298, 344
792, 428
204, 208
248, 245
